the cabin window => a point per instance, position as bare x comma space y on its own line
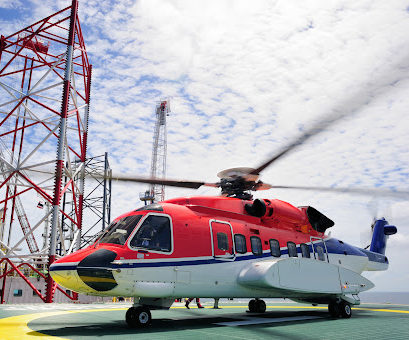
275, 248
222, 241
18, 292
240, 243
305, 250
256, 246
119, 231
321, 255
153, 234
292, 249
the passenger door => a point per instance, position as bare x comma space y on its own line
222, 240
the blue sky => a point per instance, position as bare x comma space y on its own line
244, 78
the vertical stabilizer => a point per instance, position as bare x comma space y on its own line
381, 231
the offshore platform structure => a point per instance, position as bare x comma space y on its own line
45, 81
156, 192
97, 198
96, 205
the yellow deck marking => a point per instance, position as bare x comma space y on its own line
385, 310
16, 327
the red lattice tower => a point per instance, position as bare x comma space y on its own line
45, 80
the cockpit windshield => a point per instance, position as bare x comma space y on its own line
153, 234
119, 231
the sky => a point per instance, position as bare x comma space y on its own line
244, 79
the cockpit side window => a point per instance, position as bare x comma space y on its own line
119, 231
153, 234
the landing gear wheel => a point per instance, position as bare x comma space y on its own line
260, 306
257, 306
345, 309
252, 306
138, 317
333, 309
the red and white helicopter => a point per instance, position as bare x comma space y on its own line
225, 247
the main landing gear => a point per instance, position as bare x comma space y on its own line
138, 317
340, 309
257, 306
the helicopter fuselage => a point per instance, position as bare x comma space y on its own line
217, 247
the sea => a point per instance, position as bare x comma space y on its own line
400, 298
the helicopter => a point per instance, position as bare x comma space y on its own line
227, 246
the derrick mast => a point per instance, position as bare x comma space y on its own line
158, 165
156, 192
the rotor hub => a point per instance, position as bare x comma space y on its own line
242, 172
237, 187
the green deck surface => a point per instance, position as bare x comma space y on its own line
281, 321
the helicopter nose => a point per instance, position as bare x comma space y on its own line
66, 276
94, 271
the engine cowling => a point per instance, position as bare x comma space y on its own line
285, 212
276, 209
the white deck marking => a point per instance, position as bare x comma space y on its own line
257, 321
58, 307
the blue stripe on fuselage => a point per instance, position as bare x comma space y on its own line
54, 268
333, 246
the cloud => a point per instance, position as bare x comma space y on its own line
244, 79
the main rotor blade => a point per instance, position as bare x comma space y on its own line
358, 191
384, 83
159, 181
312, 131
167, 182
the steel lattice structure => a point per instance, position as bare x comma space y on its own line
45, 80
97, 199
159, 149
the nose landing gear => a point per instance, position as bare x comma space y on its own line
138, 317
